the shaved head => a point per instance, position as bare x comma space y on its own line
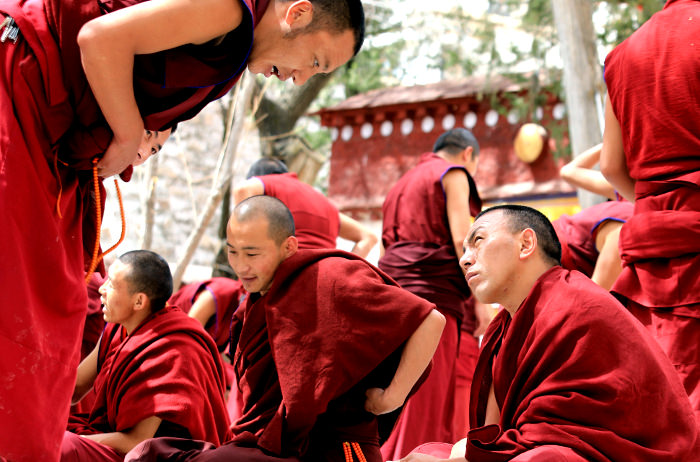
277, 215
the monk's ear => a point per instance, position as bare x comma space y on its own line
291, 245
528, 243
299, 14
141, 301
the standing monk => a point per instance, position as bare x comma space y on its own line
651, 148
317, 221
80, 82
565, 373
426, 216
323, 343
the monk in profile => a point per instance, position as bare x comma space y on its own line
154, 371
324, 346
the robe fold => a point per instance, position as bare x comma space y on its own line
577, 233
168, 367
330, 327
316, 219
420, 256
227, 293
583, 375
50, 130
655, 94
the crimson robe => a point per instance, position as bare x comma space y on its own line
583, 375
227, 293
330, 327
655, 95
316, 219
420, 256
50, 130
168, 367
577, 233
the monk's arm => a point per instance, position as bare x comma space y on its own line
250, 187
203, 308
416, 356
608, 266
125, 441
456, 188
87, 372
109, 43
580, 173
354, 231
613, 163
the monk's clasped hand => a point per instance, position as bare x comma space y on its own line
381, 401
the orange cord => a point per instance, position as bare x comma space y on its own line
60, 186
96, 256
348, 451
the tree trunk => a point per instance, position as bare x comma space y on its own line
149, 204
583, 81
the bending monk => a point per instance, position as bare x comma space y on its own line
80, 81
323, 345
317, 221
650, 155
565, 373
154, 371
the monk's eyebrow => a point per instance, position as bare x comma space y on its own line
472, 233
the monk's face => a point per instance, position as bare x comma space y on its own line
253, 254
151, 144
117, 299
491, 253
302, 55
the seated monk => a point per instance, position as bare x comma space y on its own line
565, 373
323, 345
155, 371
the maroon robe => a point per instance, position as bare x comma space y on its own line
168, 367
655, 94
421, 257
316, 219
583, 375
330, 327
227, 293
577, 233
50, 129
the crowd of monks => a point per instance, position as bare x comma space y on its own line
313, 353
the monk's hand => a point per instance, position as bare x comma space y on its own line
117, 157
381, 401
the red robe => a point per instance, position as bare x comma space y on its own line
421, 257
655, 94
227, 293
168, 367
50, 130
316, 219
577, 233
330, 327
583, 375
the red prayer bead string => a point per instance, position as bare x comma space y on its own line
349, 447
96, 256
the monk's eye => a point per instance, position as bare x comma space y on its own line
149, 134
316, 64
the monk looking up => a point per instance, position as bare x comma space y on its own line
324, 343
154, 371
565, 372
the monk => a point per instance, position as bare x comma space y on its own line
650, 155
154, 372
212, 303
323, 345
80, 81
565, 373
317, 221
427, 213
589, 240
